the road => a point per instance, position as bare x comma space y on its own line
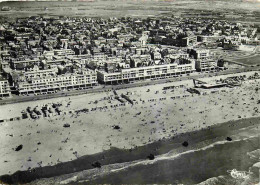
103, 88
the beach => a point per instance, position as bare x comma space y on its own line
150, 115
173, 163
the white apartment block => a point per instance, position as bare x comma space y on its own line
63, 52
205, 65
201, 53
4, 88
24, 63
36, 73
146, 72
51, 83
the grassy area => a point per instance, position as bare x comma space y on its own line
115, 8
255, 60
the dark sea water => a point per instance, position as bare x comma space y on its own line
208, 165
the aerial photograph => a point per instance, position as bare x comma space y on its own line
130, 92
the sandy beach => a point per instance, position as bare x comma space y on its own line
156, 114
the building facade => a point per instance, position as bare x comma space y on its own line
205, 65
52, 83
200, 53
147, 72
4, 88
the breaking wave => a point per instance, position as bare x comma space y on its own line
90, 175
252, 178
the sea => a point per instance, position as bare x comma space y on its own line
210, 165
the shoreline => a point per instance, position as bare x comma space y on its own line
191, 167
115, 155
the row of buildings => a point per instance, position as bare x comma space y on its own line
44, 81
40, 76
49, 54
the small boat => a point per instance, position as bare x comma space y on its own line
239, 174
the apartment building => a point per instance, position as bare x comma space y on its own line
205, 65
209, 38
200, 53
4, 88
21, 64
147, 72
37, 73
54, 82
63, 52
189, 41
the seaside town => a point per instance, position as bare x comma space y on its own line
73, 89
41, 55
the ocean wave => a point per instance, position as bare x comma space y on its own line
93, 174
172, 155
251, 179
214, 181
254, 154
226, 180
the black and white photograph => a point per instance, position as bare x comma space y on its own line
130, 92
